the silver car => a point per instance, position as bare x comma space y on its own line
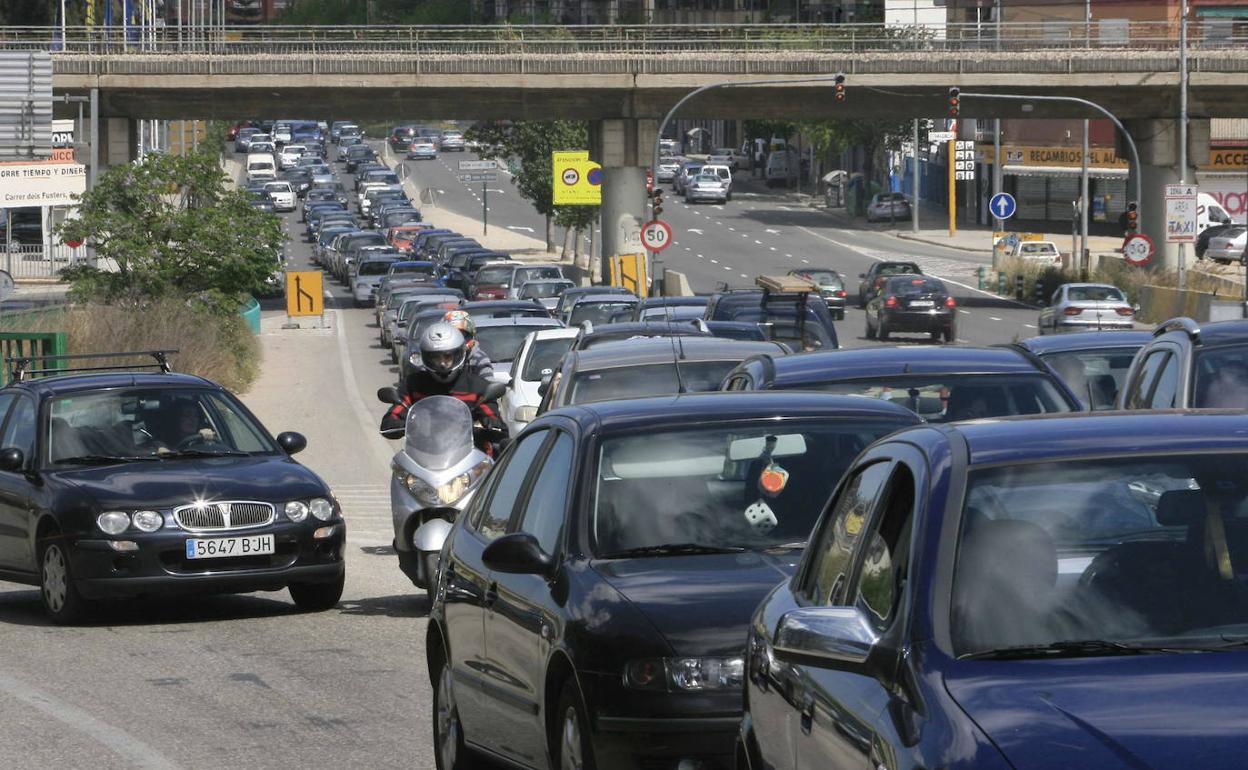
707, 187
545, 291
893, 205
452, 141
1228, 246
1087, 307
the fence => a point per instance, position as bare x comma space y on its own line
30, 345
26, 261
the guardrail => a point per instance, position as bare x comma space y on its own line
626, 39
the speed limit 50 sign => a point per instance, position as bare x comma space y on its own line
656, 235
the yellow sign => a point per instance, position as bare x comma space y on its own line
576, 180
1098, 157
629, 271
305, 294
1227, 160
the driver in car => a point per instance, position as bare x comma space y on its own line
186, 427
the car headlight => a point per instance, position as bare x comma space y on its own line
296, 511
526, 413
113, 522
684, 674
321, 508
147, 521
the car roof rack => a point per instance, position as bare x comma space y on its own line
20, 365
1181, 324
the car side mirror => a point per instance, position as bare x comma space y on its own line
544, 387
292, 442
11, 460
493, 391
517, 554
389, 395
836, 637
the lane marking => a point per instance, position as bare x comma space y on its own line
993, 318
1030, 326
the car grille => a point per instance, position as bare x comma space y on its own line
224, 516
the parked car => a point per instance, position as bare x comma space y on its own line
1190, 365
870, 281
1093, 365
592, 600
888, 206
939, 384
1228, 246
831, 288
1086, 306
133, 484
538, 357
913, 304
1013, 594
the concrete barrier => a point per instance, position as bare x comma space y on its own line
676, 284
1158, 303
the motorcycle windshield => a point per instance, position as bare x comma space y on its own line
439, 432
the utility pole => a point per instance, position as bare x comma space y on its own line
1182, 127
914, 183
998, 174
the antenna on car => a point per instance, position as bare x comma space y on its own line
678, 348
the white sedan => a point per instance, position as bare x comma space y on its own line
539, 357
282, 195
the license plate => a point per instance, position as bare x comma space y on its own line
921, 303
222, 547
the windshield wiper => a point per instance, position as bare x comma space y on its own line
1072, 648
203, 453
673, 549
102, 459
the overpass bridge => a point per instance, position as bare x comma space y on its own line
623, 78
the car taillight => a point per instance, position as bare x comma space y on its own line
1073, 310
950, 302
1124, 311
890, 302
841, 293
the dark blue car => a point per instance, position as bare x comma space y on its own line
1056, 592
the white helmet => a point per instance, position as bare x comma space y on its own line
443, 351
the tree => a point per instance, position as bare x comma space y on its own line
827, 137
526, 146
173, 227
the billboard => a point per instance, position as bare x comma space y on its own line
41, 184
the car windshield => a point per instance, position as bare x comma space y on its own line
948, 398
526, 274
1222, 377
647, 380
823, 278
1129, 550
1095, 375
706, 179
374, 267
494, 275
163, 423
544, 356
597, 312
745, 486
1094, 294
542, 290
502, 343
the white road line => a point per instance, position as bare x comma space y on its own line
714, 261
805, 261
726, 267
758, 243
964, 312
701, 257
993, 318
743, 275
773, 248
380, 447
1029, 326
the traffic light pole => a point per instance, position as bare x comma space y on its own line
1135, 155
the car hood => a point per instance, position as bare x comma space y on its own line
171, 483
701, 604
1140, 712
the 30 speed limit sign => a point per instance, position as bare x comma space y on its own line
656, 235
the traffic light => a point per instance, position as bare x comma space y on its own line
954, 101
657, 203
1133, 218
840, 86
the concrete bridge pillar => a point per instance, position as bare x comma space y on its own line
1158, 145
119, 139
623, 148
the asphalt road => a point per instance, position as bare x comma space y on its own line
250, 681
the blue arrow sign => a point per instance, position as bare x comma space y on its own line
1003, 205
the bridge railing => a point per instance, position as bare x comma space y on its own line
625, 40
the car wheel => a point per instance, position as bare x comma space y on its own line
318, 597
448, 732
572, 740
882, 330
429, 566
61, 600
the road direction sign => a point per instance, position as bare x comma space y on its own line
941, 136
479, 177
478, 165
1137, 250
1181, 213
305, 294
1003, 205
656, 235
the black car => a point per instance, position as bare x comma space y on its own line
1187, 364
940, 384
154, 483
1093, 364
869, 282
675, 308
592, 335
592, 601
910, 304
506, 308
800, 320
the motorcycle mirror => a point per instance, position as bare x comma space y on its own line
388, 395
493, 391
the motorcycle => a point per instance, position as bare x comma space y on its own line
434, 477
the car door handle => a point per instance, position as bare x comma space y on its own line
491, 595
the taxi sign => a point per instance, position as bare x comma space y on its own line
577, 180
305, 293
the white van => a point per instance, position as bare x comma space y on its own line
260, 166
1209, 212
781, 167
724, 172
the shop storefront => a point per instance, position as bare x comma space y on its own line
1045, 181
1225, 177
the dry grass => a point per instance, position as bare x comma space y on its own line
221, 349
1115, 272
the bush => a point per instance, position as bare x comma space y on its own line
218, 347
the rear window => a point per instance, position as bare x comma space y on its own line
1222, 377
1036, 248
915, 286
374, 268
502, 343
597, 312
900, 269
1094, 294
1095, 376
650, 380
493, 275
412, 270
950, 398
823, 278
537, 274
544, 356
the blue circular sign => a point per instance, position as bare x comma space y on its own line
1002, 205
594, 176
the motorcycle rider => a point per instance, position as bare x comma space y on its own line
478, 361
444, 354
